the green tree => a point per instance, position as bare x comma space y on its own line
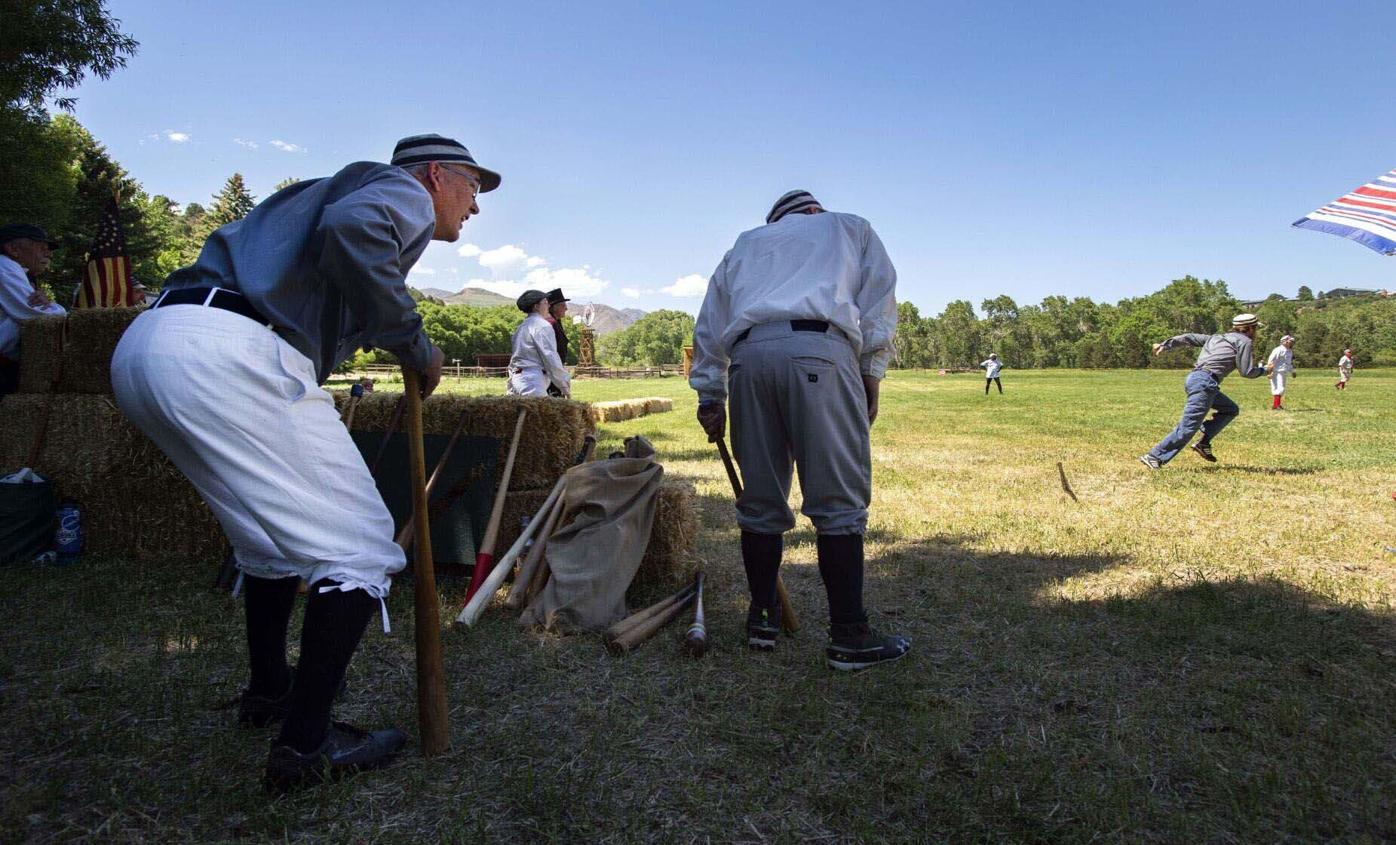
285, 183
1305, 295
38, 169
51, 45
654, 339
958, 335
229, 204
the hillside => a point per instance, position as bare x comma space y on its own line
608, 319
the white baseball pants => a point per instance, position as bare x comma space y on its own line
1277, 383
238, 410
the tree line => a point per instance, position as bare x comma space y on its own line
1077, 332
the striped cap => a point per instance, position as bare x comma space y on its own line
1243, 320
790, 203
419, 149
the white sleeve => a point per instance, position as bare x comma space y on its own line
877, 307
708, 373
546, 343
15, 291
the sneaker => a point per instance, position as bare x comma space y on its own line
346, 750
259, 711
1205, 450
762, 627
855, 646
1149, 461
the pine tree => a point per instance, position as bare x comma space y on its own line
285, 183
231, 203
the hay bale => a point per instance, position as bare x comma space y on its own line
668, 559
552, 434
629, 409
92, 335
136, 504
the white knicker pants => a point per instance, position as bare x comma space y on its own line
237, 409
1277, 383
527, 382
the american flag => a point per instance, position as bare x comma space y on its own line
106, 283
1367, 215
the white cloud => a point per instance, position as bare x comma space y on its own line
423, 271
501, 257
535, 261
575, 281
690, 285
176, 137
630, 293
288, 148
251, 145
468, 251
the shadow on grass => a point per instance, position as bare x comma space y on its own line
1250, 470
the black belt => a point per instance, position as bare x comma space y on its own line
221, 298
820, 326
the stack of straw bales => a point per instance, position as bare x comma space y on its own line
136, 504
629, 409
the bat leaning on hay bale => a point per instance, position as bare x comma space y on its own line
475, 605
484, 558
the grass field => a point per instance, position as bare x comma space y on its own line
1202, 654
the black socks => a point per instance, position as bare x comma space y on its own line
268, 608
761, 556
334, 623
841, 567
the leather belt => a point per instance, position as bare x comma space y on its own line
220, 298
820, 326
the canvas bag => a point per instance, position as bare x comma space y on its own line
609, 508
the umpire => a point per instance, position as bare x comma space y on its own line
223, 372
795, 332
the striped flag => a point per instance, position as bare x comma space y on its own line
106, 282
1367, 215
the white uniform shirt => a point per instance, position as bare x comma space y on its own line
828, 266
1345, 365
535, 362
15, 290
991, 367
1282, 358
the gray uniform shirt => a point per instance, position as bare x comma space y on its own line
1221, 353
326, 261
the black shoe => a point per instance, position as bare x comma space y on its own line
346, 750
260, 711
762, 627
1205, 450
856, 646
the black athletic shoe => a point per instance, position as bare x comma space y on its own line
259, 711
856, 646
1205, 450
346, 750
762, 627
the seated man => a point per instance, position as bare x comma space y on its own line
24, 254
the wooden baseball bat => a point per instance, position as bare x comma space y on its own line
637, 634
432, 716
484, 558
643, 615
695, 642
388, 435
405, 535
475, 605
522, 580
789, 622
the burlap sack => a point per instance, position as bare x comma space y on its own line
611, 507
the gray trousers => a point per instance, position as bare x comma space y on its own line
797, 398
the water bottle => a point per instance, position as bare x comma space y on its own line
68, 541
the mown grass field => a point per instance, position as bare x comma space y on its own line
1203, 654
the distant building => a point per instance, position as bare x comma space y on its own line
1335, 293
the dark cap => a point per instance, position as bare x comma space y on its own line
419, 149
15, 231
555, 296
528, 299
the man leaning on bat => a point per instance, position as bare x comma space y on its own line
795, 333
223, 372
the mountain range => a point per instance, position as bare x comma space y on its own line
607, 320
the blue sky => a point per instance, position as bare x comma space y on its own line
1085, 149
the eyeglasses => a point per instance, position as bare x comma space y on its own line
474, 182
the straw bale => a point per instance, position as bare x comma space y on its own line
92, 335
629, 409
552, 434
669, 556
136, 504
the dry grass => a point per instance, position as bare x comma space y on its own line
1200, 654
